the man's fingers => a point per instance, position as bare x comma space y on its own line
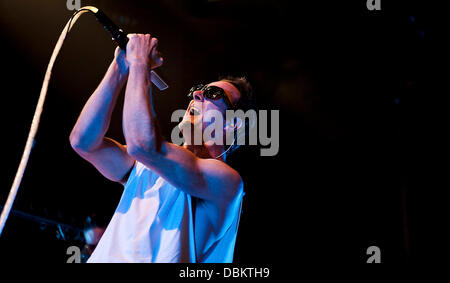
147, 39
146, 35
143, 45
154, 45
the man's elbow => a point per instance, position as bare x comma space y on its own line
143, 149
81, 144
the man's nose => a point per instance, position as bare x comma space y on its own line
198, 95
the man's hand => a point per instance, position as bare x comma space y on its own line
120, 60
143, 49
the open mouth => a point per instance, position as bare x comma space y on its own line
194, 111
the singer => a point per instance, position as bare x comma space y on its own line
180, 203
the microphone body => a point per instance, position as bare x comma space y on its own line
121, 39
117, 34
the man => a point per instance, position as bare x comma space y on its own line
180, 203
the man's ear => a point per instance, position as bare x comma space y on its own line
231, 128
234, 124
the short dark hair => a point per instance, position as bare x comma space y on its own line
245, 103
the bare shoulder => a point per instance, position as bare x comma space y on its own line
225, 181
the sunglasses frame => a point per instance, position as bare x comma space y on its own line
213, 95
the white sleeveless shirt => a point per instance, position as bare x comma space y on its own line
154, 222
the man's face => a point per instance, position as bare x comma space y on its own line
200, 109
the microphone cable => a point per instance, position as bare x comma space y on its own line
40, 105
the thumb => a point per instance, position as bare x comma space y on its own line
119, 52
157, 58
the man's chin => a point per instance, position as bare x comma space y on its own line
187, 130
186, 126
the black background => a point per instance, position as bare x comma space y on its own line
347, 83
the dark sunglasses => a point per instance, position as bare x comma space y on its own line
211, 92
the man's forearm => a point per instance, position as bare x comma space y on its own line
139, 119
95, 117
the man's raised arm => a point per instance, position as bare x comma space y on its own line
88, 135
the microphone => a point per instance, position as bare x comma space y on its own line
121, 40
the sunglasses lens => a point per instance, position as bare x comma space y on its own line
213, 92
